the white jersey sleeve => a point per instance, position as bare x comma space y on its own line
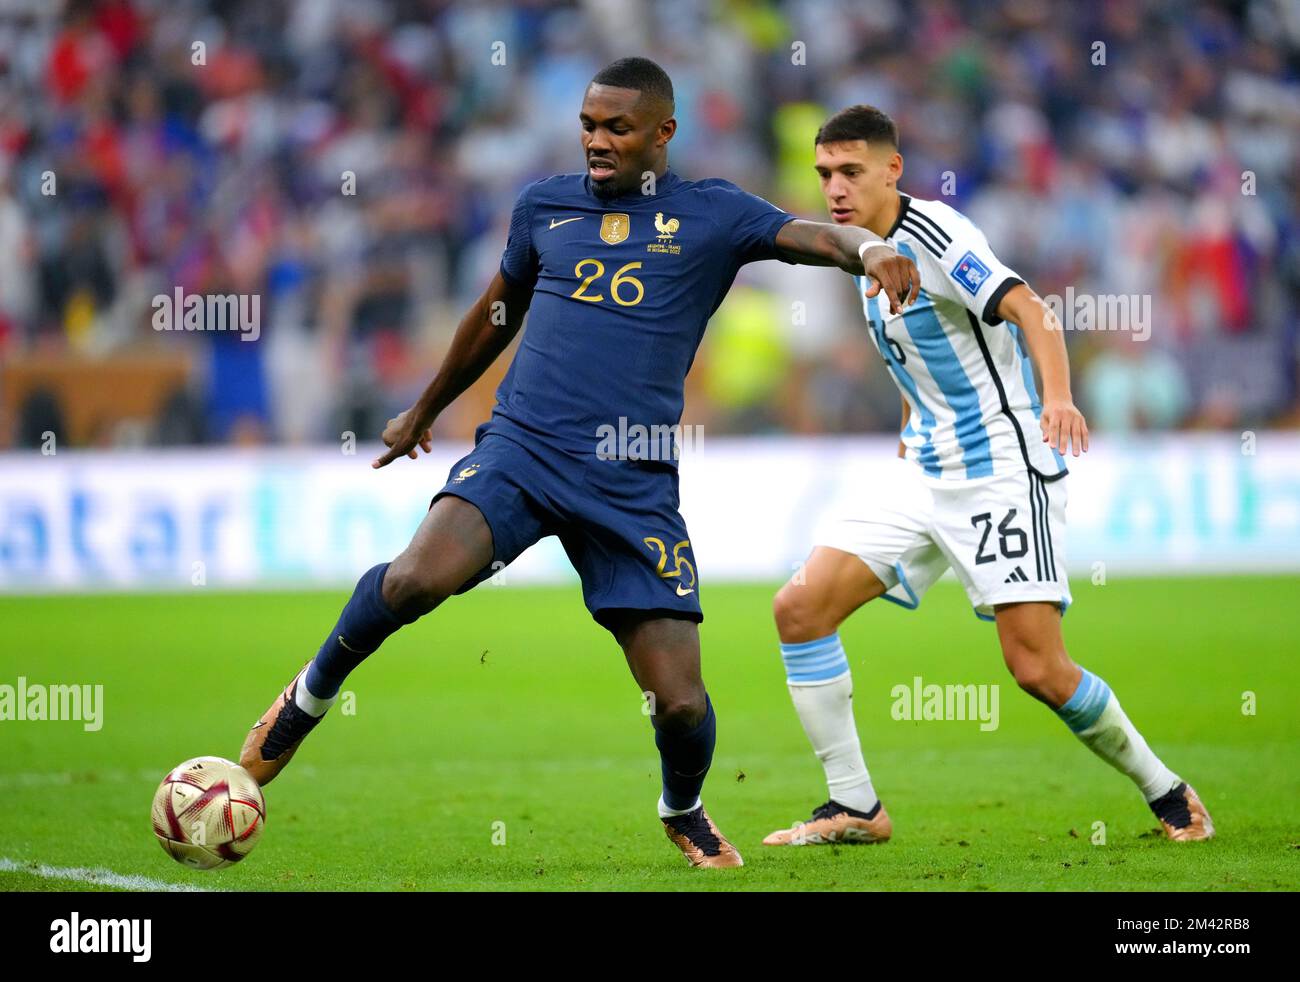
974, 276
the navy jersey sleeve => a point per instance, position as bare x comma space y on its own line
519, 264
753, 223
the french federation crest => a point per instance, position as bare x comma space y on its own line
614, 227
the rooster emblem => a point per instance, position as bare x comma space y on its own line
666, 229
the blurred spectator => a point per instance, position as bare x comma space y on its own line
1133, 386
353, 163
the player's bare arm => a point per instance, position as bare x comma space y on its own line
854, 250
485, 331
1062, 423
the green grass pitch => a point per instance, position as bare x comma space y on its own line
509, 705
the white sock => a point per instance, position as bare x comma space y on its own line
1096, 717
817, 674
308, 703
666, 812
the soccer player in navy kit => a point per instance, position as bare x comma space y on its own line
622, 267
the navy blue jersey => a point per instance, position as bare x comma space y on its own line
622, 290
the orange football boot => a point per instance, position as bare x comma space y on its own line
1183, 816
836, 824
274, 738
700, 841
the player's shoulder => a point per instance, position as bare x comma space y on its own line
713, 185
553, 188
956, 245
718, 188
936, 222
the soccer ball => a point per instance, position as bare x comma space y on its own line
208, 813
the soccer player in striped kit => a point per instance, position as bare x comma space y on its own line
980, 489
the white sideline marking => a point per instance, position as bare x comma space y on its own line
99, 877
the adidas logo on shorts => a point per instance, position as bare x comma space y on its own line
1017, 576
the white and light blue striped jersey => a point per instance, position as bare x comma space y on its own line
964, 371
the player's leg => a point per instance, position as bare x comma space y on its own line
1034, 651
878, 549
809, 610
452, 544
629, 544
663, 651
481, 519
1005, 538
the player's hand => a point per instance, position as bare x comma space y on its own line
896, 275
1064, 426
402, 435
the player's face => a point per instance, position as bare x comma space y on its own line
857, 179
622, 138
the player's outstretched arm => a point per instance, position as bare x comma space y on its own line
856, 251
1063, 425
484, 332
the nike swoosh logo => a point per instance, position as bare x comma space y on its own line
555, 222
684, 593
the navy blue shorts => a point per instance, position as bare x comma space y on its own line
617, 520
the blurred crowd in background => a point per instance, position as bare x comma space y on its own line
1134, 147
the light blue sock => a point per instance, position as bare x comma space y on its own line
821, 688
1083, 708
814, 661
1095, 716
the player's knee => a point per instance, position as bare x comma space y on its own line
799, 616
1036, 669
411, 591
681, 713
1029, 675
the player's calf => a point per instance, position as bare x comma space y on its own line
451, 545
808, 612
364, 624
1035, 653
685, 735
1095, 716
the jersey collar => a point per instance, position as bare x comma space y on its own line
663, 184
903, 202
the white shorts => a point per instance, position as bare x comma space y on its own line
1003, 536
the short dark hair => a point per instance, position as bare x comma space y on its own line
641, 74
859, 123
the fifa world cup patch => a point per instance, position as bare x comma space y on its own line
970, 272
